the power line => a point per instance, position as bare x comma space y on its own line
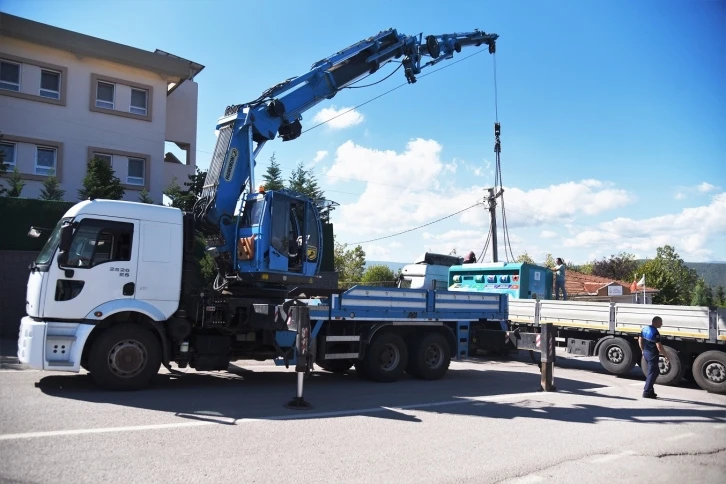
416, 228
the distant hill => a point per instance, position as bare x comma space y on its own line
714, 273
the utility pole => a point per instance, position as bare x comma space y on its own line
492, 201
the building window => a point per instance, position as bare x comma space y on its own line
104, 156
45, 158
138, 101
9, 76
8, 149
105, 95
50, 84
135, 174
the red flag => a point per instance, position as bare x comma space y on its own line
633, 286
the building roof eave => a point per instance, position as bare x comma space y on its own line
85, 45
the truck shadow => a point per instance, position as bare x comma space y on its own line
569, 362
226, 398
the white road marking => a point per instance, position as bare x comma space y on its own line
296, 416
681, 436
611, 457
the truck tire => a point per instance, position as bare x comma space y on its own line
386, 357
335, 366
429, 356
616, 356
709, 371
125, 357
672, 368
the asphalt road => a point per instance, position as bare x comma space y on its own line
485, 422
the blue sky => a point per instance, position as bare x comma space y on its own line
612, 116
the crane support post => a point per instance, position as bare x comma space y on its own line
547, 342
300, 321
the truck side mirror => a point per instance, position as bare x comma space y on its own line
66, 236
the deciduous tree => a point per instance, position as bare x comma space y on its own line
378, 273
349, 263
619, 267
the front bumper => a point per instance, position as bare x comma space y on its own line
52, 346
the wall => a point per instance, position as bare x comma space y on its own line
78, 127
13, 281
181, 126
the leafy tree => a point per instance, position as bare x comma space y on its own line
720, 298
273, 175
619, 267
15, 183
349, 263
184, 199
586, 268
549, 261
51, 189
100, 182
669, 274
524, 258
378, 273
144, 197
702, 294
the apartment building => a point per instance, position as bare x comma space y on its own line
66, 97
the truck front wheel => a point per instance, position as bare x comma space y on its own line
125, 357
709, 371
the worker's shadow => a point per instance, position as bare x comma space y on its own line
227, 397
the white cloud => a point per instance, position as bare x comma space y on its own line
548, 234
319, 156
706, 187
689, 231
680, 196
335, 119
395, 245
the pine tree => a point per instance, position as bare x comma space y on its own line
298, 178
51, 189
144, 197
273, 175
100, 182
16, 183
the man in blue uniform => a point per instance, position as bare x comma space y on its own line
651, 347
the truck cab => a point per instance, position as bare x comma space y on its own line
430, 271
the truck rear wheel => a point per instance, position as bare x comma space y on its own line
125, 357
430, 356
616, 356
385, 358
709, 371
671, 368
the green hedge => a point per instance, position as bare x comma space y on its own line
17, 215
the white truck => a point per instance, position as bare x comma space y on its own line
429, 271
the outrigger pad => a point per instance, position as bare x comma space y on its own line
298, 403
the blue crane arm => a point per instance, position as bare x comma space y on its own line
245, 128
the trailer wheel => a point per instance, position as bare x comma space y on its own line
386, 357
335, 366
430, 356
616, 356
125, 357
709, 371
671, 368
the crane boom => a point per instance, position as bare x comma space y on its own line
245, 128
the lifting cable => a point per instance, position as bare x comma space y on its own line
498, 184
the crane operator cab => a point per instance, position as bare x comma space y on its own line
279, 232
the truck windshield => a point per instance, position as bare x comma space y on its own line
46, 253
252, 213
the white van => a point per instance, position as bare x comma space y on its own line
430, 271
